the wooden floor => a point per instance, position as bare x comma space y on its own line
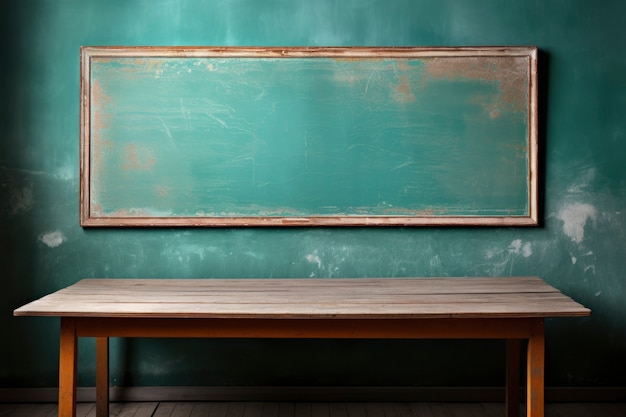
333, 409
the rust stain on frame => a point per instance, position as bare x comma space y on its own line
100, 120
509, 72
99, 102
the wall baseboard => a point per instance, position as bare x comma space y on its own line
326, 394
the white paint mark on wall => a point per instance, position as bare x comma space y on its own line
314, 259
52, 239
575, 217
186, 253
591, 268
66, 172
435, 262
257, 256
517, 248
501, 260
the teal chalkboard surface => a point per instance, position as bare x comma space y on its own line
308, 136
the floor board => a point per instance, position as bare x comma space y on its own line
321, 409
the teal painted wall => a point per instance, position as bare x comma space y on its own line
579, 248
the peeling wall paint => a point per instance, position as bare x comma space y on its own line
575, 217
314, 259
52, 239
518, 248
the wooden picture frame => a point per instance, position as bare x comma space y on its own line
308, 136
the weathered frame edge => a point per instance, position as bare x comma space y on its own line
87, 220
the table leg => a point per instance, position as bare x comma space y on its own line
102, 377
512, 402
535, 371
67, 367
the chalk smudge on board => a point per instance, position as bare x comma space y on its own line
137, 157
403, 93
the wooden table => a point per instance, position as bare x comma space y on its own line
410, 308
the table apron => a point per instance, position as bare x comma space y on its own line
427, 328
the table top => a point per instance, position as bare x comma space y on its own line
312, 298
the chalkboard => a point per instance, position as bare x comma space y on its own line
176, 136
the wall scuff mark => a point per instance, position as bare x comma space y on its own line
52, 239
575, 217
